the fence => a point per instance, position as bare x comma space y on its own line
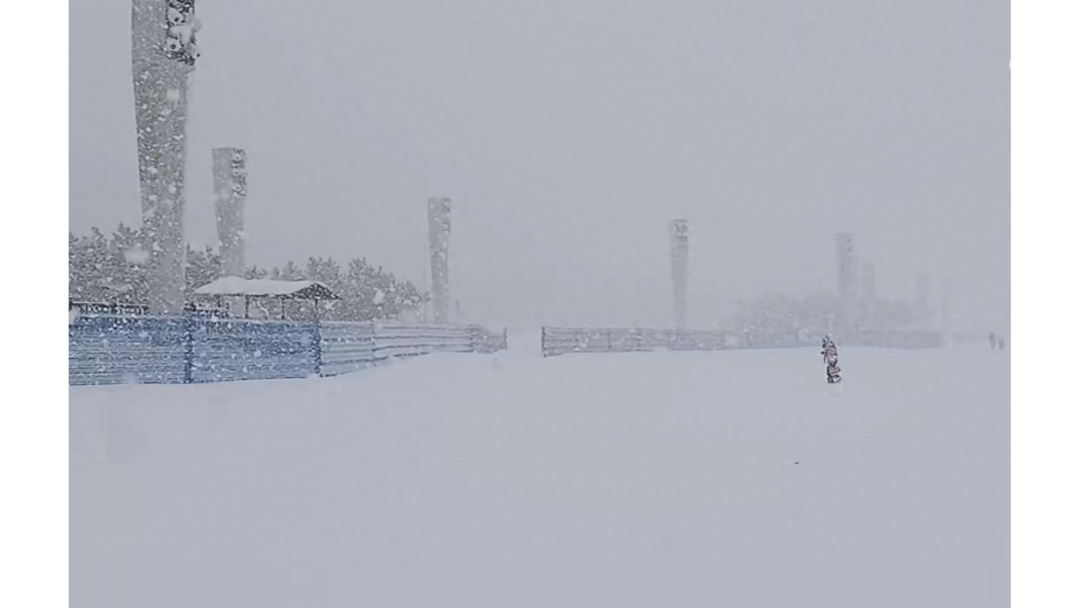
900, 339
563, 340
347, 347
160, 349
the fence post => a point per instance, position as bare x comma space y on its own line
374, 345
189, 347
316, 348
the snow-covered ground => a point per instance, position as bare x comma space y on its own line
661, 479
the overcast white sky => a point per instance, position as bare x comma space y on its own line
568, 133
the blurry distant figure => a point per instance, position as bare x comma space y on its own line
1001, 344
832, 360
993, 341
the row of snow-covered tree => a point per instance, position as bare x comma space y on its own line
112, 269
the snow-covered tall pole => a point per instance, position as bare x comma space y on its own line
163, 54
869, 294
230, 190
845, 263
845, 275
680, 262
439, 246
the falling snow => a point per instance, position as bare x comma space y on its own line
614, 467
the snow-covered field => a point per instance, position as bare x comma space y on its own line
661, 479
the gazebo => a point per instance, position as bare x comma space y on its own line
265, 288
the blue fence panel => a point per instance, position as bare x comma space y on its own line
347, 347
563, 340
111, 349
486, 342
235, 349
174, 349
413, 340
702, 340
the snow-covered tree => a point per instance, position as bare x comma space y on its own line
114, 270
203, 266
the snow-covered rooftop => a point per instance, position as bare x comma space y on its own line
237, 286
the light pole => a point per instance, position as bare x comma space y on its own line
439, 245
163, 54
230, 190
680, 262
